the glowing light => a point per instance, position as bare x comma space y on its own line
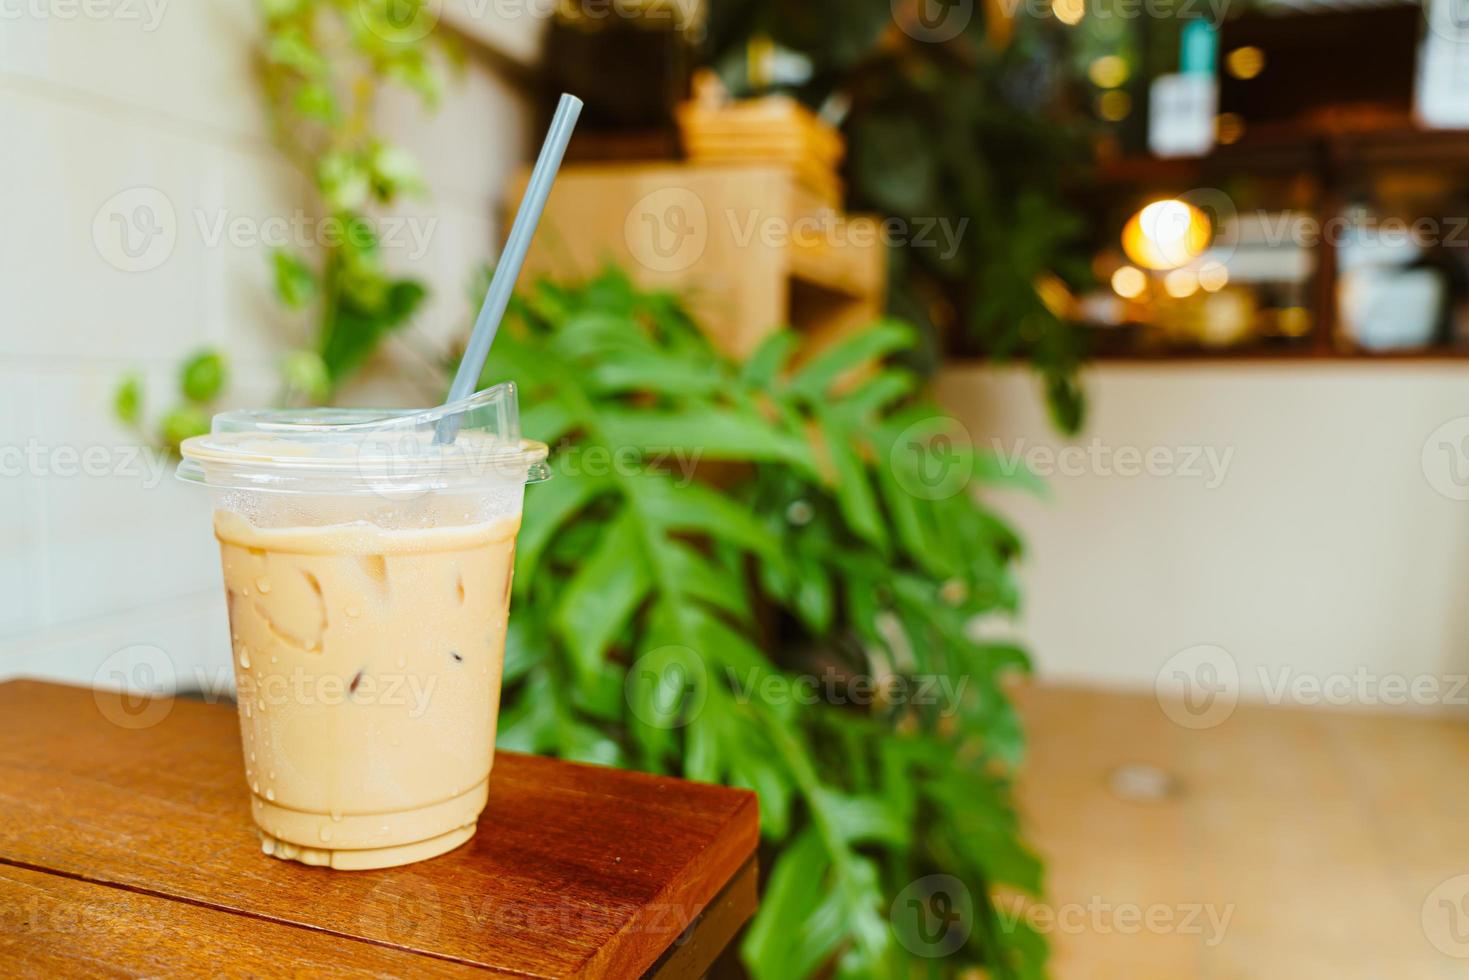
1181, 283
1108, 71
1069, 12
1114, 106
1213, 276
1166, 234
1054, 294
1293, 321
1129, 282
1245, 63
1228, 128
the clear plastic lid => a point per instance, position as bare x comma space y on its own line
340, 450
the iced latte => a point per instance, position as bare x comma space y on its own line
367, 603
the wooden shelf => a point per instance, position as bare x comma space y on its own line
1292, 149
1257, 354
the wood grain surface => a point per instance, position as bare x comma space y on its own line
575, 870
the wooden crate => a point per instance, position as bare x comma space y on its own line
749, 247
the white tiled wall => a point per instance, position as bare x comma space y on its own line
93, 107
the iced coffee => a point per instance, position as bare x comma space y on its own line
368, 594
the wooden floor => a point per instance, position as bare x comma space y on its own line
1299, 844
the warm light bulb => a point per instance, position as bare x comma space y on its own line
1245, 63
1114, 106
1108, 71
1166, 234
1213, 276
1181, 283
1229, 127
1069, 12
1129, 282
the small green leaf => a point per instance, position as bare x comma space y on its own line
704, 433
305, 372
295, 283
763, 368
603, 593
184, 422
814, 379
127, 400
547, 507
393, 170
203, 377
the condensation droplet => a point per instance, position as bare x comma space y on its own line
247, 709
255, 787
263, 584
271, 775
270, 794
326, 833
244, 656
245, 592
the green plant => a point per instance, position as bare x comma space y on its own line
322, 66
638, 638
202, 377
966, 131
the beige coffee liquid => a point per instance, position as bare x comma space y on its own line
368, 665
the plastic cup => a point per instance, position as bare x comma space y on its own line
368, 572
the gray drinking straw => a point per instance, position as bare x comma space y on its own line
507, 270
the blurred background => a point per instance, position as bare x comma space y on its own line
1082, 380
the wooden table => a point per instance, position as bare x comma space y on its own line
126, 849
